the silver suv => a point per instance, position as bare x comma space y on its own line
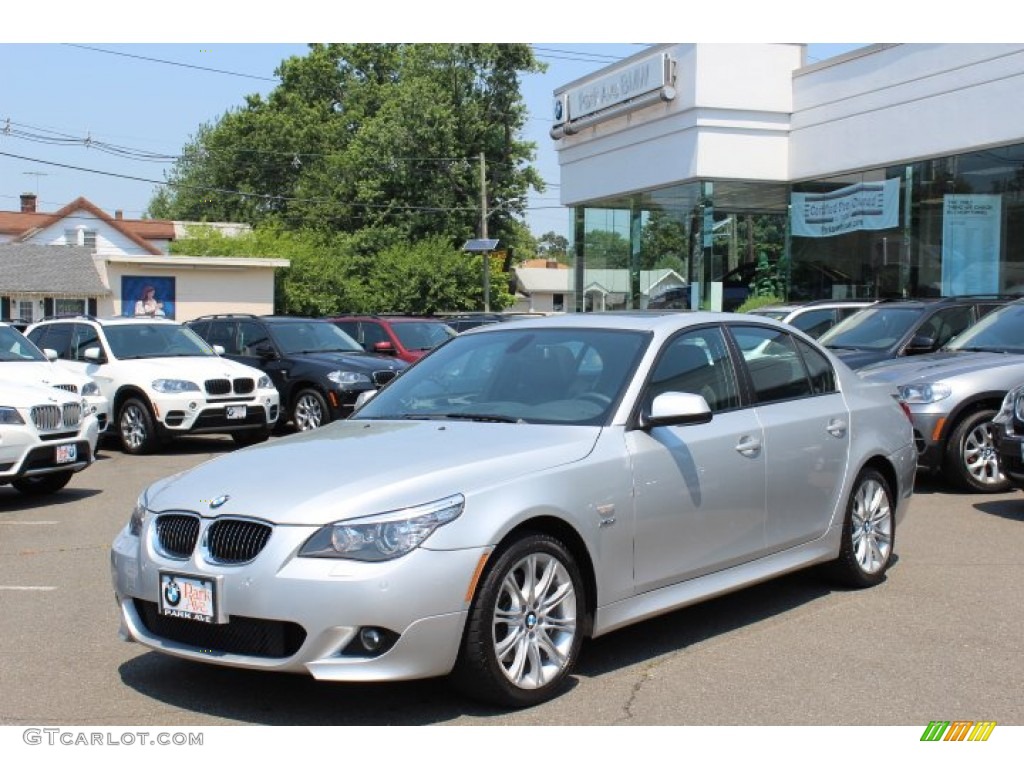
954, 395
814, 317
161, 379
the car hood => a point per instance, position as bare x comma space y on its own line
355, 361
193, 368
354, 468
40, 372
941, 366
16, 394
859, 358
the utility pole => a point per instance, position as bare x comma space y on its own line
483, 233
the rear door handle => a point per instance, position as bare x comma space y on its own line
748, 446
836, 427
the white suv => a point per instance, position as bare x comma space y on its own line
162, 379
46, 435
22, 361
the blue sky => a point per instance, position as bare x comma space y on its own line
150, 97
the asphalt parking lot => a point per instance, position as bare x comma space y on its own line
940, 639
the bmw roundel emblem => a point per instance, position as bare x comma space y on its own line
172, 592
220, 501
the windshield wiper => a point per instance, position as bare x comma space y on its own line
981, 349
482, 417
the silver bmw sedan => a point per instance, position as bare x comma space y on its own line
524, 487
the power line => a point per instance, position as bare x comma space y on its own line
171, 63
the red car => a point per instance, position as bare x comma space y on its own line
408, 338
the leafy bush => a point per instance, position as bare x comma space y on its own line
756, 302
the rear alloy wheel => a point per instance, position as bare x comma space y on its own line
40, 485
869, 532
138, 433
524, 630
309, 410
971, 455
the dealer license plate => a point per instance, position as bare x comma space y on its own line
66, 454
235, 411
187, 597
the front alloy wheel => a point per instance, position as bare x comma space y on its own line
973, 457
309, 411
138, 435
524, 630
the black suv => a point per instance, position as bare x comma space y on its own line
317, 368
902, 327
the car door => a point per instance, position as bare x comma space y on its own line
806, 432
698, 489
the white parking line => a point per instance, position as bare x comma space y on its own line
26, 589
29, 522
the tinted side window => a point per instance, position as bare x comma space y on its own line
351, 327
947, 323
222, 333
776, 370
83, 339
815, 322
250, 335
697, 362
372, 334
58, 337
823, 377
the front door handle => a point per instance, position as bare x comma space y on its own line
749, 446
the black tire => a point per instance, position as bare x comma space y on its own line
869, 532
971, 460
40, 485
549, 628
136, 428
251, 436
309, 410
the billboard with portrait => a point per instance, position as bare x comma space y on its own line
147, 296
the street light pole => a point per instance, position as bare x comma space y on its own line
483, 232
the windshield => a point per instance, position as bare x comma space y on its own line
16, 348
134, 341
548, 376
422, 335
871, 328
294, 338
999, 331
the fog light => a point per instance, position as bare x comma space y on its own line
192, 406
370, 638
370, 642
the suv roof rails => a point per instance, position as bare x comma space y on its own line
76, 316
222, 316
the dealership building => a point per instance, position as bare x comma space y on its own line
893, 170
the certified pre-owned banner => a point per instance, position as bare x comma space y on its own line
868, 205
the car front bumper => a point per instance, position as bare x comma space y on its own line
193, 413
24, 454
1010, 450
310, 609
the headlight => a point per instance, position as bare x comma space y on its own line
348, 378
138, 514
924, 393
91, 389
172, 386
10, 416
264, 383
1018, 405
383, 537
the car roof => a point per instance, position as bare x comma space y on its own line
633, 320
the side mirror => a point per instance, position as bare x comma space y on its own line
92, 354
920, 345
677, 409
264, 350
218, 349
50, 354
384, 348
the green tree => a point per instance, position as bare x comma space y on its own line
552, 245
384, 137
606, 249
